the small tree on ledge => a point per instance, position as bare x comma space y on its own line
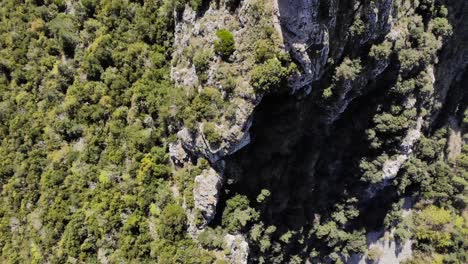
224, 45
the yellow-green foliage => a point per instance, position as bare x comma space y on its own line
381, 51
348, 69
432, 225
224, 45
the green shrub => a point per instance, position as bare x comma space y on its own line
173, 223
358, 27
388, 123
238, 213
428, 149
196, 4
269, 76
381, 51
372, 170
206, 104
212, 238
348, 70
443, 11
201, 61
327, 93
409, 58
404, 87
441, 27
431, 225
264, 50
374, 254
224, 45
264, 194
211, 134
402, 234
64, 28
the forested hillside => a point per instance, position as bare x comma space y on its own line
86, 103
233, 131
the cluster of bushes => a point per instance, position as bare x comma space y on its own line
414, 81
347, 71
272, 68
269, 76
439, 223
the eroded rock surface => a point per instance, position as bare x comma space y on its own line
238, 248
206, 193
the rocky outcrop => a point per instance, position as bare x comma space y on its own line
206, 193
194, 35
197, 34
392, 166
387, 249
238, 248
234, 136
316, 32
178, 154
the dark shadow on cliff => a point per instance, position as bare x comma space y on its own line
306, 163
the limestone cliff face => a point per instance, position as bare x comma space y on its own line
316, 31
294, 142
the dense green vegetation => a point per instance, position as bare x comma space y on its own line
440, 224
88, 109
86, 102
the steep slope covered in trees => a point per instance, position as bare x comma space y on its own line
233, 131
86, 99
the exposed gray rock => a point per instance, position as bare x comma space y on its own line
455, 141
206, 193
307, 33
391, 252
238, 248
392, 166
234, 137
178, 154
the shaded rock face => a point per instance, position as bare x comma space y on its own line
298, 139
